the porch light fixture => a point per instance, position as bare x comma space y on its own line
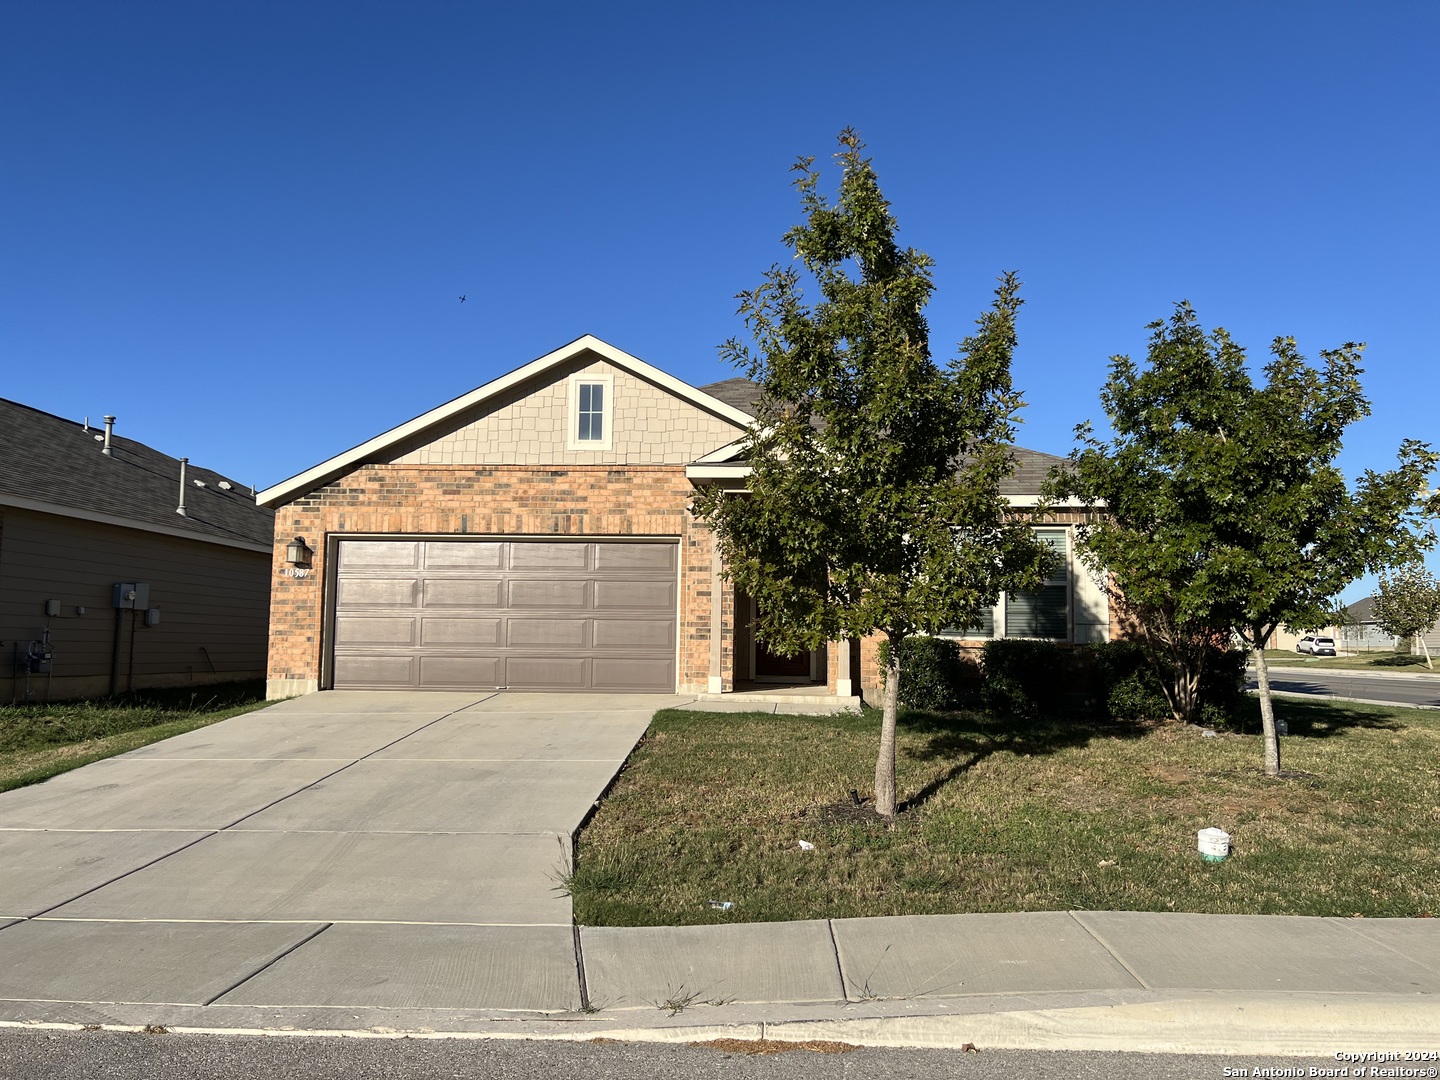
297, 553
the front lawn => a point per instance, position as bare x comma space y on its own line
41, 741
1074, 815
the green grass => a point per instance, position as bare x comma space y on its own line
41, 741
1072, 815
1372, 661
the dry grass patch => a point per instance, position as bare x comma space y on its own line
1069, 815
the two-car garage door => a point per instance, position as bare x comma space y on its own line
516, 614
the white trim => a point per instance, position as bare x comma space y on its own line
287, 490
1034, 500
21, 503
607, 412
724, 454
716, 472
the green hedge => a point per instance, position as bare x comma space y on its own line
934, 673
1128, 688
1024, 679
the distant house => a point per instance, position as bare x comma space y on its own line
105, 584
1360, 631
537, 534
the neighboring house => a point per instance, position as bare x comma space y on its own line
84, 512
1360, 632
536, 534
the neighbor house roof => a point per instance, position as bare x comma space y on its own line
53, 465
326, 471
1031, 466
1361, 611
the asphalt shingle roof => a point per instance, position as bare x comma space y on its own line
53, 460
1030, 465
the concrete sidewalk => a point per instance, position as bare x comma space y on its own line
1138, 981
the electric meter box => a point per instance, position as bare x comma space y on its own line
130, 594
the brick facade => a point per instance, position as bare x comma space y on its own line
593, 501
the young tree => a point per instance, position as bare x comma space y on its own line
1407, 604
1224, 510
873, 501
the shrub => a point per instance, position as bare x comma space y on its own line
934, 674
1129, 688
1023, 679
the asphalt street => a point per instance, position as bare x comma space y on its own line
80, 1055
1396, 689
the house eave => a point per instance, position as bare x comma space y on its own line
20, 502
312, 478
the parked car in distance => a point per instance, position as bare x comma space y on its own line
1316, 646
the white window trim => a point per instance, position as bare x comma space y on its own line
572, 412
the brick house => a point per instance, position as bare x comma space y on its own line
536, 534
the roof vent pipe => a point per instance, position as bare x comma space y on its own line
109, 429
181, 508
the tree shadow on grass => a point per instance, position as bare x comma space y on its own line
967, 738
1318, 719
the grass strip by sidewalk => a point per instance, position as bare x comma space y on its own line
41, 741
1380, 662
1067, 815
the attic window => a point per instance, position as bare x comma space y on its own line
592, 412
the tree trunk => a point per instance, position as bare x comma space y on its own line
1426, 650
885, 760
1267, 708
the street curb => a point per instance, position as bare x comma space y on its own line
1296, 1024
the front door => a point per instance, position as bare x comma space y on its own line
771, 667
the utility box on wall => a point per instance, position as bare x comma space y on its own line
129, 594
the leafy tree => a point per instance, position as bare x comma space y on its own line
873, 501
1407, 604
1224, 511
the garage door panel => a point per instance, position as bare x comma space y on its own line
635, 595
525, 614
569, 633
628, 633
541, 556
375, 592
635, 556
616, 674
361, 630
445, 554
473, 631
368, 669
477, 671
545, 673
463, 592
379, 555
549, 594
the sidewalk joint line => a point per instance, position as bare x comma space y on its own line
580, 968
1074, 917
839, 967
207, 834
269, 963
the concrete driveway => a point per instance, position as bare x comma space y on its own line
341, 849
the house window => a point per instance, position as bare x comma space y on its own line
591, 419
1041, 614
591, 412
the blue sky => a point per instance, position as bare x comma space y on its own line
243, 228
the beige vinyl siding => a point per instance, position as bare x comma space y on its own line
536, 424
213, 602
